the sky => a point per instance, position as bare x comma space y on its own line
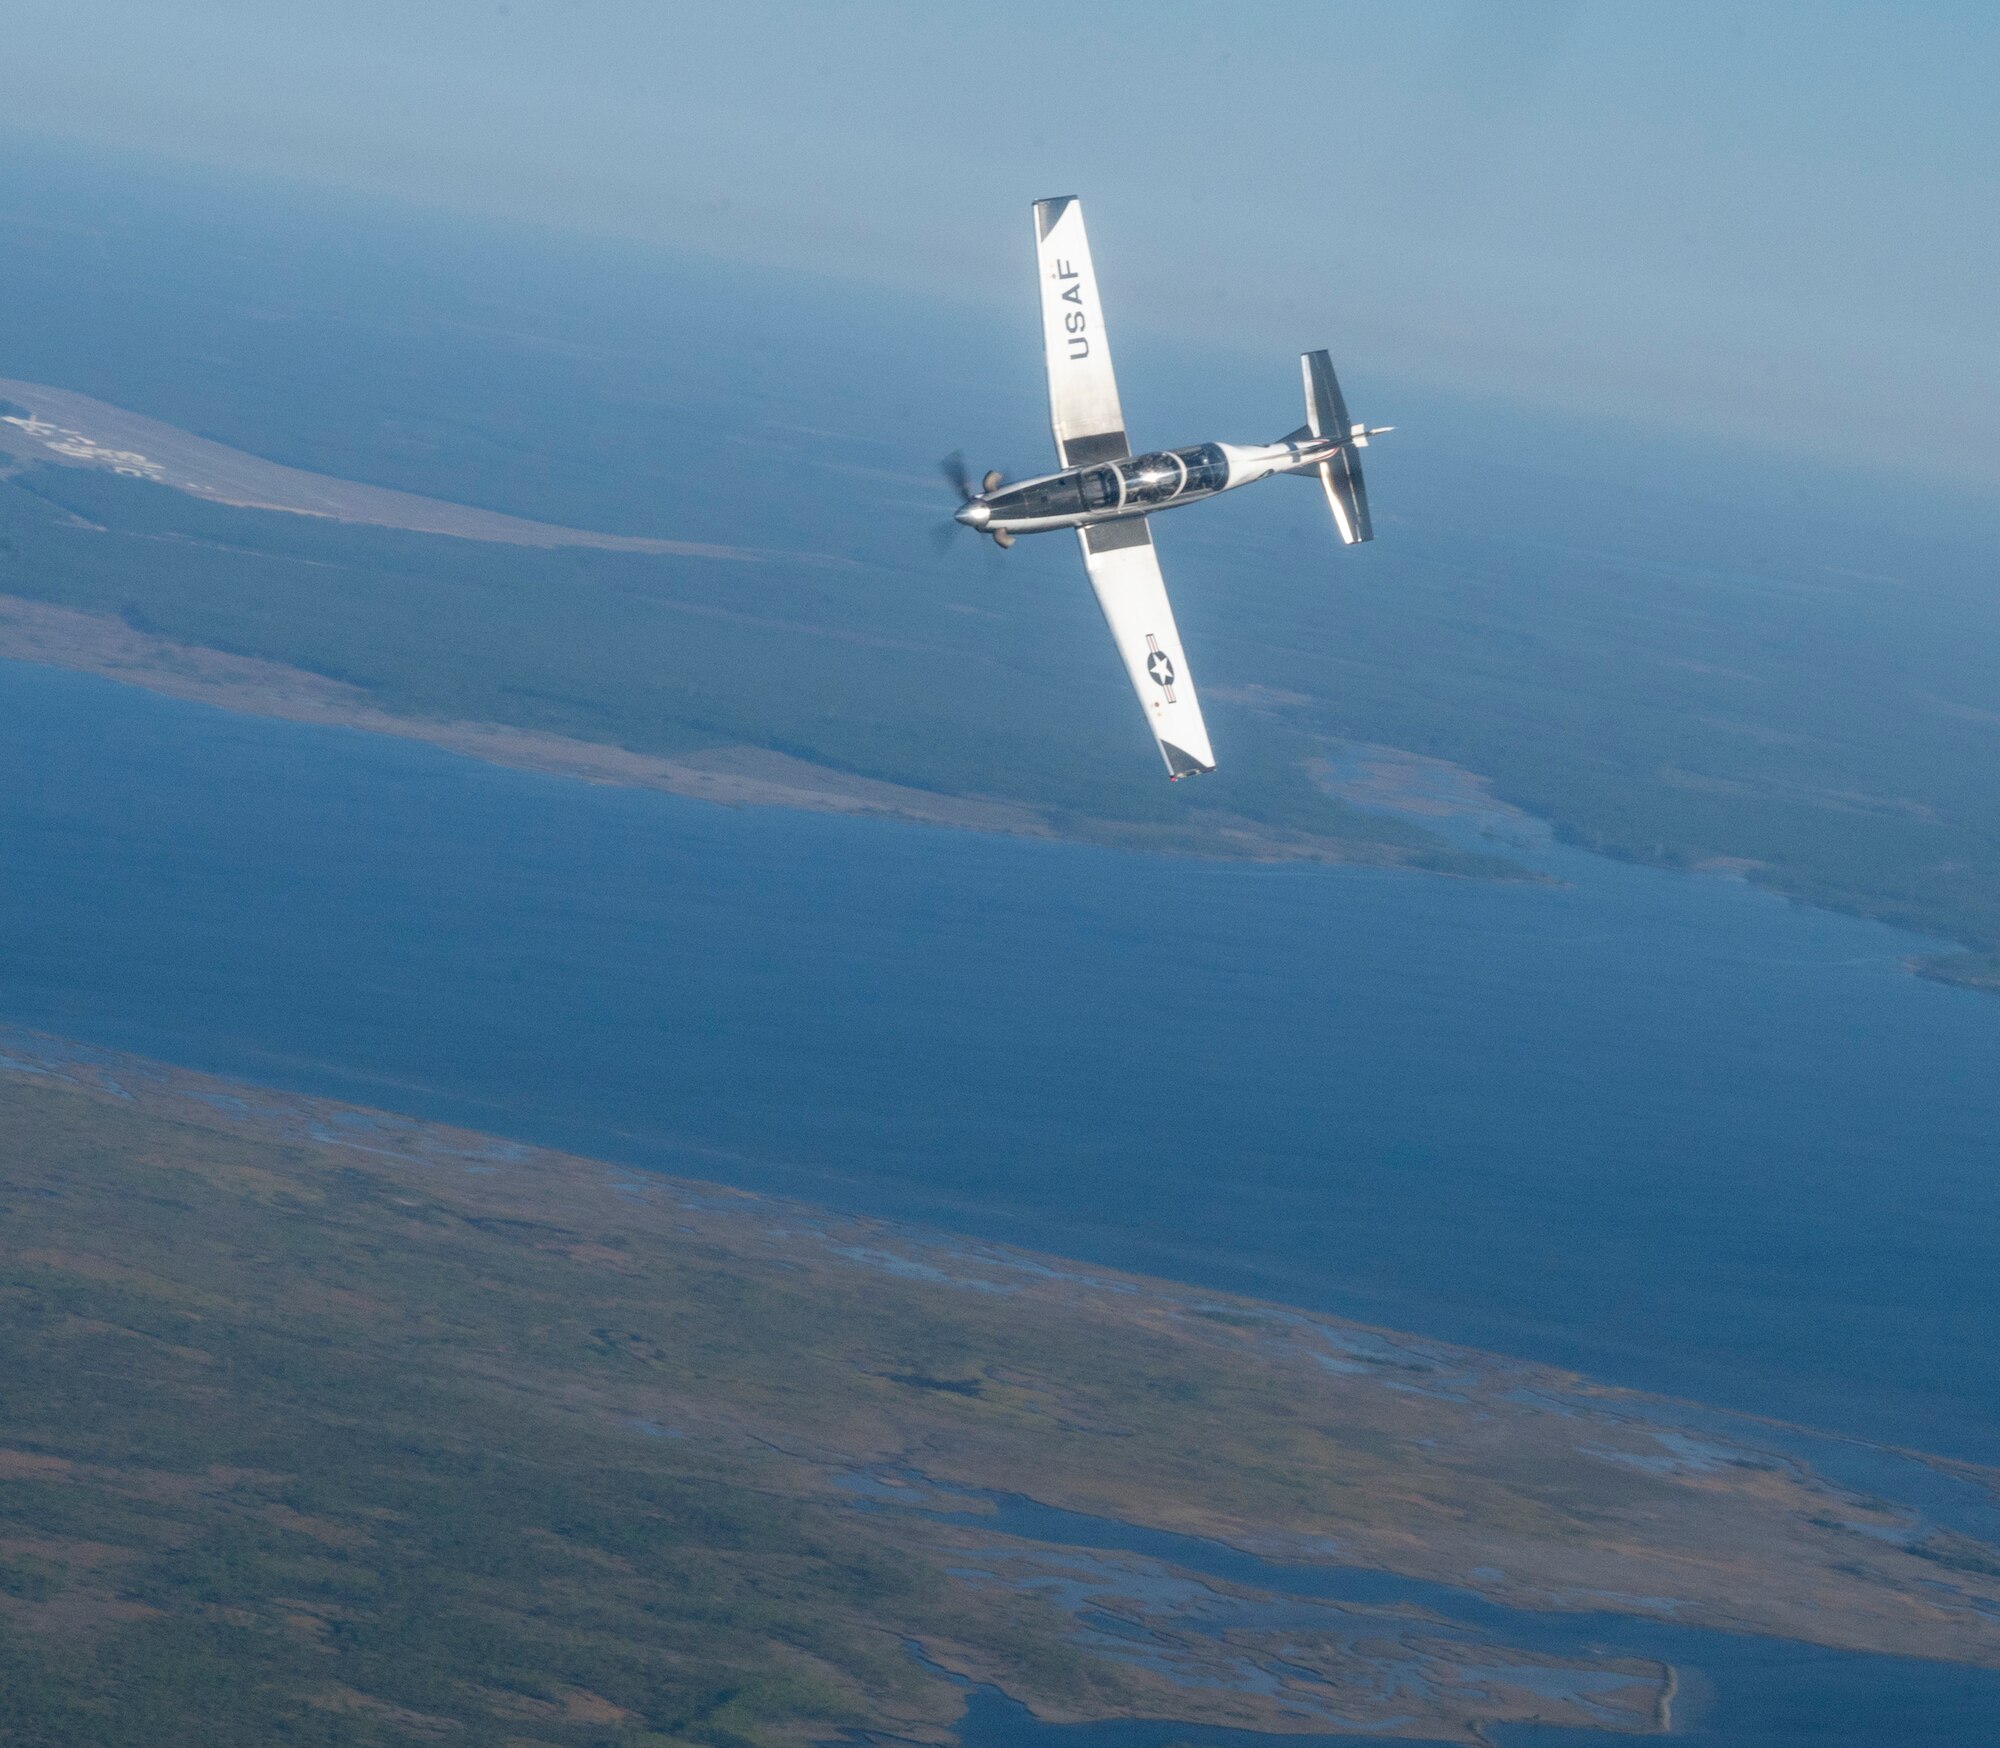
1771, 220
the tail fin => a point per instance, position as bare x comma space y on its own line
1340, 472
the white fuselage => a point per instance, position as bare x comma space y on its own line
1138, 485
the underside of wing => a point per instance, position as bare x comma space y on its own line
1083, 393
1125, 574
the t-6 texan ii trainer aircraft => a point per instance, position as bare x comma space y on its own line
1106, 493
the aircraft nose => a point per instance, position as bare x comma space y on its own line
973, 514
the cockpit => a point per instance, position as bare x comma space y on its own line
1134, 485
1166, 474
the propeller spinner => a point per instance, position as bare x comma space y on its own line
972, 513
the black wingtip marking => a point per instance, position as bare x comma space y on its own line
1049, 212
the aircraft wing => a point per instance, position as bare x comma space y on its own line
1083, 393
1125, 573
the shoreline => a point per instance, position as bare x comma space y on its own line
730, 776
1846, 1578
103, 438
43, 425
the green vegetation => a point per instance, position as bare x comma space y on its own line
1675, 652
292, 1455
1835, 739
435, 1437
1836, 736
662, 656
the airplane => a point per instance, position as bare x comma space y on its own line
1106, 493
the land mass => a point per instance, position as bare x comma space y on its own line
56, 428
196, 569
1648, 710
327, 1424
64, 429
1688, 654
735, 776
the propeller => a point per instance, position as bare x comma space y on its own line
954, 470
943, 534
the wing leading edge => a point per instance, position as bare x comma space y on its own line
1125, 576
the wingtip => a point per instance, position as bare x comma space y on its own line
1049, 212
1182, 764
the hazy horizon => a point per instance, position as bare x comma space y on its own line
1744, 221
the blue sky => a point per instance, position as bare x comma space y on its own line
1774, 220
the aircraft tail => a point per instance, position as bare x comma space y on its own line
1340, 472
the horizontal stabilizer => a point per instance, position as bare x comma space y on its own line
1347, 497
1340, 473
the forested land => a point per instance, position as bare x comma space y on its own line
325, 1426
1678, 652
672, 655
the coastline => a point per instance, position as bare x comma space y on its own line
62, 428
42, 425
730, 776
1688, 1505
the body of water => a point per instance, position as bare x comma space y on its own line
1732, 1691
1668, 1129
1671, 1130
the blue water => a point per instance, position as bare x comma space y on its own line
1668, 1129
1734, 1692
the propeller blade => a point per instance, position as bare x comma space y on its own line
953, 469
943, 534
993, 481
